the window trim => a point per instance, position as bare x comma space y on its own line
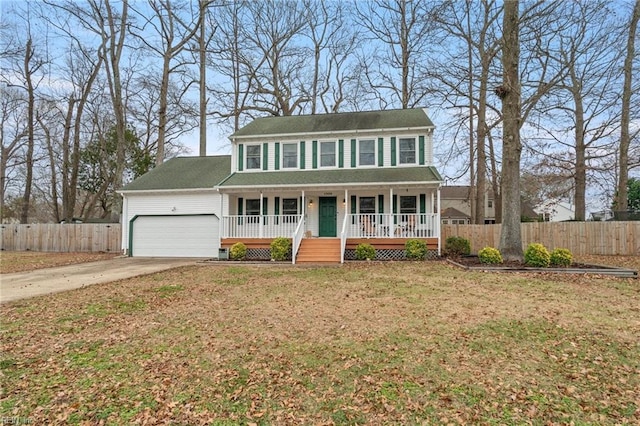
415, 150
335, 154
246, 159
375, 152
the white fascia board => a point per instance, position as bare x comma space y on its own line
332, 132
165, 191
434, 183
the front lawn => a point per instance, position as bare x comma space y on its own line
21, 261
365, 343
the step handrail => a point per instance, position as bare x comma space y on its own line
297, 239
343, 237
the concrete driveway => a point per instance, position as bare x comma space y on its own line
23, 285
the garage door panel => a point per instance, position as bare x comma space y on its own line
175, 236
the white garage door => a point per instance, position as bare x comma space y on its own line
176, 236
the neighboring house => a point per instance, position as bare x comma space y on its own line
328, 182
456, 205
555, 211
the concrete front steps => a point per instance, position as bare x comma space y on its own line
319, 250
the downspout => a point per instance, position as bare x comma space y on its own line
438, 222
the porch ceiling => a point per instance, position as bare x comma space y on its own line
410, 176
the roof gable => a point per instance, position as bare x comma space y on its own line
184, 173
339, 122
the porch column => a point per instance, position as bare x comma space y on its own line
391, 227
438, 224
303, 208
261, 214
221, 231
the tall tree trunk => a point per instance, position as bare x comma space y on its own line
621, 201
511, 237
114, 46
26, 198
581, 164
481, 170
203, 80
495, 181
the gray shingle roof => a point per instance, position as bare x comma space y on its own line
370, 176
347, 121
184, 173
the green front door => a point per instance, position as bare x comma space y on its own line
328, 216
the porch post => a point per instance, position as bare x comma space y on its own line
438, 224
391, 227
221, 231
261, 214
303, 208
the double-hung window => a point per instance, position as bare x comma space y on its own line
407, 150
289, 155
253, 209
290, 210
408, 205
253, 156
327, 154
367, 152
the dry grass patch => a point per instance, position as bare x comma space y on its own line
374, 343
21, 261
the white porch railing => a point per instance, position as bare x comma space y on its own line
389, 225
267, 226
297, 239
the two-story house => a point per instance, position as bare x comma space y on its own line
328, 182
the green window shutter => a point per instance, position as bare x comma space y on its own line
277, 153
303, 157
240, 156
353, 152
395, 209
240, 209
265, 209
423, 206
265, 156
276, 208
315, 154
421, 149
381, 206
393, 151
354, 208
380, 152
341, 153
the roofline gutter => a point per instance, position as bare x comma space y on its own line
329, 185
332, 132
163, 191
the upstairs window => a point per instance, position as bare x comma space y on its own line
289, 155
407, 150
253, 156
327, 154
367, 153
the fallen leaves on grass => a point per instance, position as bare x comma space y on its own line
21, 261
392, 343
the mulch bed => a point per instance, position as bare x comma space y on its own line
473, 263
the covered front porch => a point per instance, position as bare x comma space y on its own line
385, 218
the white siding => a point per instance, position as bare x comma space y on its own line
170, 203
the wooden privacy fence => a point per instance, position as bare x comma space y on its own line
582, 238
86, 237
